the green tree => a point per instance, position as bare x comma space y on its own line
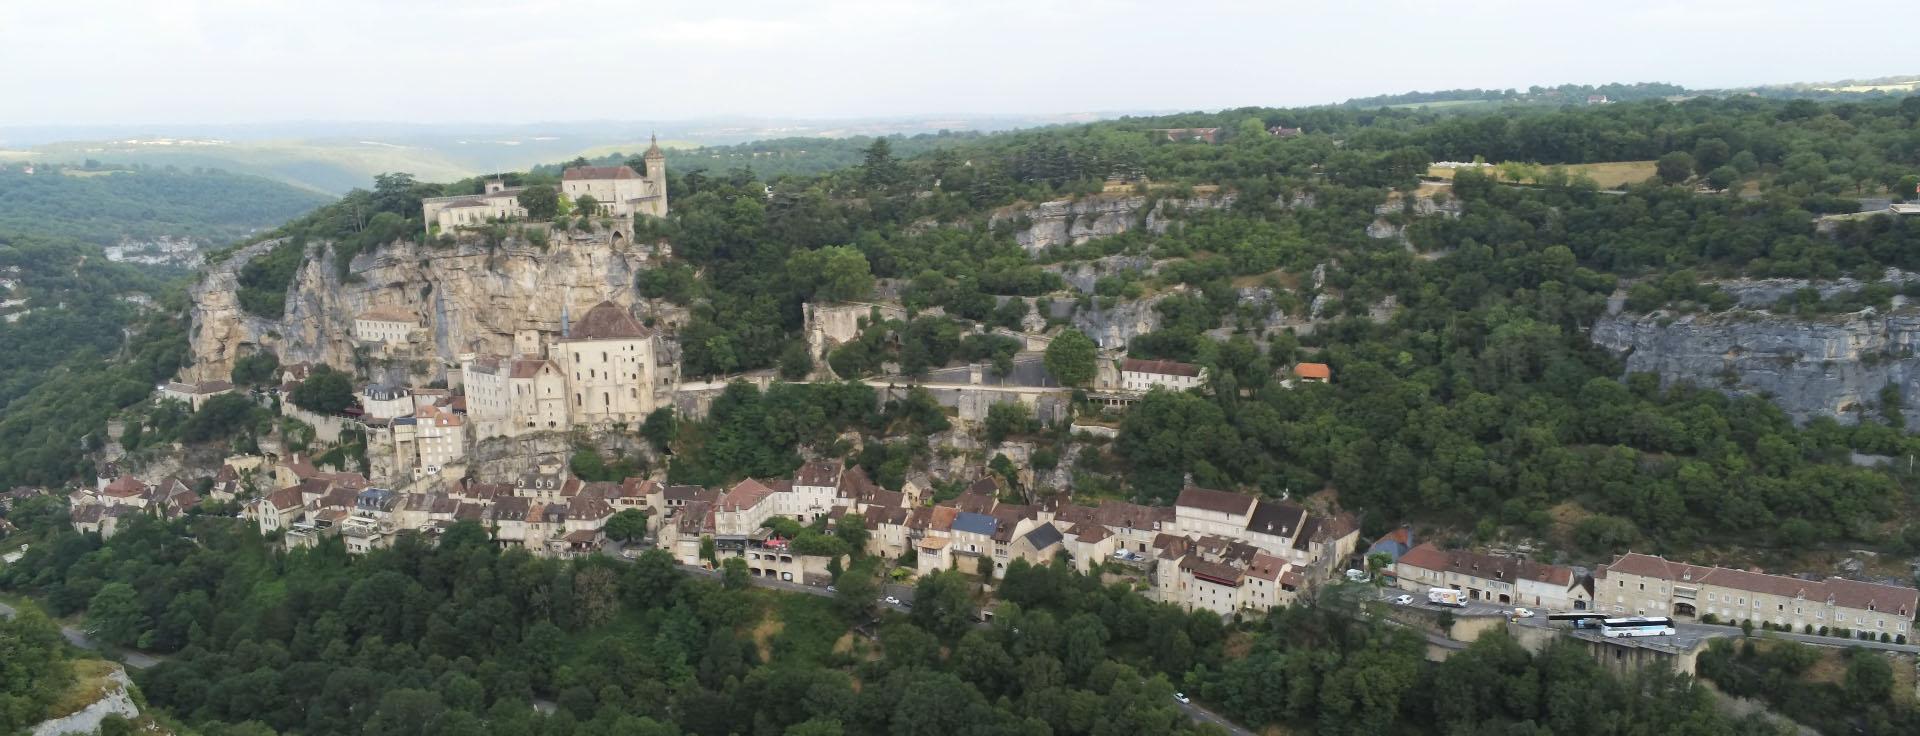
796, 360
880, 171
1869, 678
836, 273
1674, 167
734, 574
852, 529
115, 616
259, 369
586, 205
542, 202
1007, 418
627, 525
943, 604
326, 391
1071, 358
660, 427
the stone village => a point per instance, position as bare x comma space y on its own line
612, 364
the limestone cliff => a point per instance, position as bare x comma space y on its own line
471, 296
1830, 366
1075, 221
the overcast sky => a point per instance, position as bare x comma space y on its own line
435, 61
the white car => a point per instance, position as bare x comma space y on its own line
892, 601
1523, 612
1182, 698
1403, 600
631, 554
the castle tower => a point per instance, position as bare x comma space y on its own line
656, 177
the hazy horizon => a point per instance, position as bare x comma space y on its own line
516, 63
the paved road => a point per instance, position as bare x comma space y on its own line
78, 638
1202, 715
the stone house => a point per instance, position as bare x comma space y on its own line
1637, 584
1144, 375
1499, 580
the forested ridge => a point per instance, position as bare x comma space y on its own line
103, 204
1478, 402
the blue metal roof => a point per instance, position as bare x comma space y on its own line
974, 523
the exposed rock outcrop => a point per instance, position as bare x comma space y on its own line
472, 296
1075, 221
1764, 293
1830, 366
116, 698
1112, 327
1082, 275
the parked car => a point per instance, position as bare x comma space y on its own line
1358, 576
1523, 612
1403, 600
1182, 698
631, 554
892, 601
831, 589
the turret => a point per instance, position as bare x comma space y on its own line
657, 174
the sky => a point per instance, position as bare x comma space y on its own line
98, 62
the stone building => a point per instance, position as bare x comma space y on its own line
428, 439
386, 325
619, 190
606, 369
498, 202
609, 363
1145, 375
1637, 584
1502, 580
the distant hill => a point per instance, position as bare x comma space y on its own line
103, 205
1583, 93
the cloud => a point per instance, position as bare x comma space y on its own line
139, 61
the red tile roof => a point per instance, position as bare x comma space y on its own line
1313, 370
579, 173
1840, 591
745, 495
1507, 569
608, 321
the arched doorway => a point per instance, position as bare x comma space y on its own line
1684, 609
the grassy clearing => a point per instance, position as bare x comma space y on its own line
90, 683
1608, 174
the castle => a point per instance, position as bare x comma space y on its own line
608, 369
619, 190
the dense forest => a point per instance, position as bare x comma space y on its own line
103, 204
465, 639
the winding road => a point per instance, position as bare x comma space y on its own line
79, 638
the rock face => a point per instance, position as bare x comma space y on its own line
1825, 367
116, 698
1082, 275
1119, 323
471, 296
1764, 293
1075, 221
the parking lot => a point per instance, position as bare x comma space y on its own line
1473, 608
